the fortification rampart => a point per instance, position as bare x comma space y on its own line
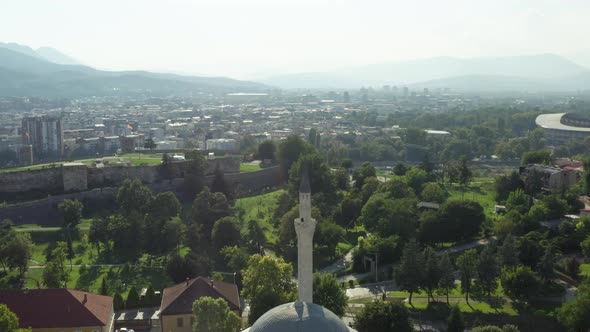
45, 212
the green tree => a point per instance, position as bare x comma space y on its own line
455, 322
214, 315
536, 157
132, 299
410, 273
432, 274
508, 252
546, 265
149, 144
255, 237
505, 184
8, 319
520, 283
16, 251
289, 152
165, 206
379, 316
518, 201
118, 301
416, 178
400, 169
387, 217
134, 197
226, 232
172, 234
433, 192
219, 184
488, 271
236, 258
575, 315
467, 264
367, 170
71, 211
268, 282
328, 292
461, 220
55, 273
104, 289
446, 282
465, 174
194, 177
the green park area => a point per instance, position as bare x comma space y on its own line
260, 208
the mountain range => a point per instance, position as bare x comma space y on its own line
533, 73
49, 73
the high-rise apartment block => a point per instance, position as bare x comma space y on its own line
45, 135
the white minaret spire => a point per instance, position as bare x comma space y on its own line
305, 227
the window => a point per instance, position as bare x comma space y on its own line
179, 322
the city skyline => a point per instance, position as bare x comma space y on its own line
264, 38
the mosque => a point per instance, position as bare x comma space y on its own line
302, 315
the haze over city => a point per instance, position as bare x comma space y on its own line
294, 165
258, 39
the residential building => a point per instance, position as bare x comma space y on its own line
60, 310
45, 134
223, 144
176, 309
554, 179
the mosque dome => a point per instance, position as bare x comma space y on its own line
297, 317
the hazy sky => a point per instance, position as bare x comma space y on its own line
251, 38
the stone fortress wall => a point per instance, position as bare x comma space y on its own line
72, 177
45, 212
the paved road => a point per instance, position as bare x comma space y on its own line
371, 290
339, 265
466, 246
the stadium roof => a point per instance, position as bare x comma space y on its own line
553, 121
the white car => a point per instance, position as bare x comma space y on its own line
124, 329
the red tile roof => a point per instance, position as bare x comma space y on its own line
58, 308
179, 299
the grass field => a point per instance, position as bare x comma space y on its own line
483, 193
585, 269
245, 168
261, 209
119, 278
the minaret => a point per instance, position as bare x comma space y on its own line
305, 227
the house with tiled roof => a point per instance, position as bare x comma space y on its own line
176, 309
60, 310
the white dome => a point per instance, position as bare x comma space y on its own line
297, 317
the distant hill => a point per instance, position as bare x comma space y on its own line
520, 71
23, 74
55, 56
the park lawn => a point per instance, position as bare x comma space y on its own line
260, 208
483, 193
119, 278
585, 269
246, 168
474, 306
